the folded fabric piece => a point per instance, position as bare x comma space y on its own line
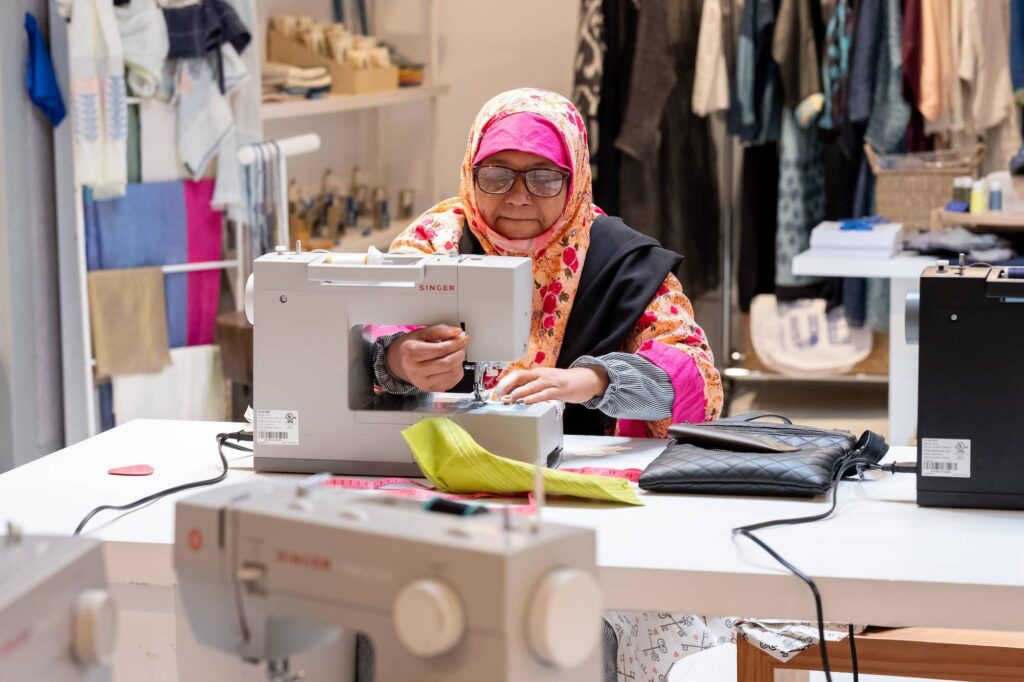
204, 116
144, 39
40, 78
204, 245
191, 388
455, 463
987, 248
159, 141
129, 328
195, 30
98, 98
145, 227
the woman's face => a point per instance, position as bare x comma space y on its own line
517, 214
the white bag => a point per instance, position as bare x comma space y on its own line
801, 338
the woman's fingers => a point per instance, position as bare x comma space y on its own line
549, 393
512, 381
528, 389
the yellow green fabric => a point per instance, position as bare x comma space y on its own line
455, 463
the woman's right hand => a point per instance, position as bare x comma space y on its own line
430, 358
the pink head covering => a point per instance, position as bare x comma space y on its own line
525, 132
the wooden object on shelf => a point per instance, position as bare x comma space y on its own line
908, 195
966, 655
345, 80
875, 364
989, 221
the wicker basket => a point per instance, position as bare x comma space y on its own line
909, 187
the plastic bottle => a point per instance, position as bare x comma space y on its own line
979, 197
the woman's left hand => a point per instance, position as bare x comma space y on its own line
576, 385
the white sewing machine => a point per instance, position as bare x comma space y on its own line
268, 570
314, 404
57, 620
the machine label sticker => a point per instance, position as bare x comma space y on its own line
946, 457
277, 427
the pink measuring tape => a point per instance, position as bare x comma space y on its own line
423, 491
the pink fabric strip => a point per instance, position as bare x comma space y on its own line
204, 244
375, 331
690, 404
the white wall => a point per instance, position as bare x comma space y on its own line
486, 47
31, 418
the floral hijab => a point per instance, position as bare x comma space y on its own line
558, 254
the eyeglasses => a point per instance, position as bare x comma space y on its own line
540, 182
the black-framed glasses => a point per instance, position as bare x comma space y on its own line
540, 182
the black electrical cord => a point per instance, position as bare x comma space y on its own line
860, 464
222, 442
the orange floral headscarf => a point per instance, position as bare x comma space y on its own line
557, 258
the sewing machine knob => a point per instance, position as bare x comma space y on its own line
429, 618
563, 617
250, 298
93, 626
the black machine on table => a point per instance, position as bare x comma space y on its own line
970, 424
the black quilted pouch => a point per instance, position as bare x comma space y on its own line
743, 456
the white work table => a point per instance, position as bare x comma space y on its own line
880, 560
904, 273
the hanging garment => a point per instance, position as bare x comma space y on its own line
589, 67
204, 246
759, 200
620, 22
916, 141
711, 80
144, 39
867, 38
158, 146
98, 98
989, 109
203, 115
669, 187
244, 100
755, 106
936, 63
796, 48
890, 114
145, 227
835, 69
134, 145
1017, 48
126, 315
190, 388
40, 79
199, 30
801, 198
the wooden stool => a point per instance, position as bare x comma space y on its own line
963, 655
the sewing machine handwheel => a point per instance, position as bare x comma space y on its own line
429, 618
564, 616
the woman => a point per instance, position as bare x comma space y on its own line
612, 334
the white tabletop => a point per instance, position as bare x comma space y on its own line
905, 265
880, 560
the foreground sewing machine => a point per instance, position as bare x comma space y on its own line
56, 618
971, 387
268, 570
314, 404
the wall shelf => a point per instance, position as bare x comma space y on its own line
741, 374
334, 104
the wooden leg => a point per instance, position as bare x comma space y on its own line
753, 665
